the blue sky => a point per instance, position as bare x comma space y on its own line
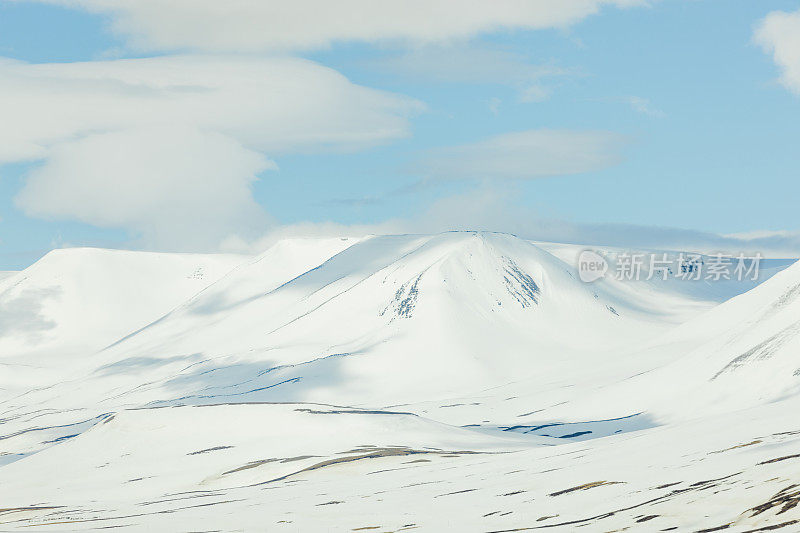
697, 130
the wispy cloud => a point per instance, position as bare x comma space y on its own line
525, 155
494, 104
643, 106
495, 209
376, 199
475, 64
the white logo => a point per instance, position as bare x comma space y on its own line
591, 266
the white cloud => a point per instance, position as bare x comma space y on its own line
248, 25
779, 34
192, 195
525, 155
168, 147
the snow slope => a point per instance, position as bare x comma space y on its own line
80, 299
318, 468
742, 353
75, 301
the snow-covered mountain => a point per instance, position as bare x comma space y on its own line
456, 312
390, 383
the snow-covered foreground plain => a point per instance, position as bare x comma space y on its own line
461, 381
